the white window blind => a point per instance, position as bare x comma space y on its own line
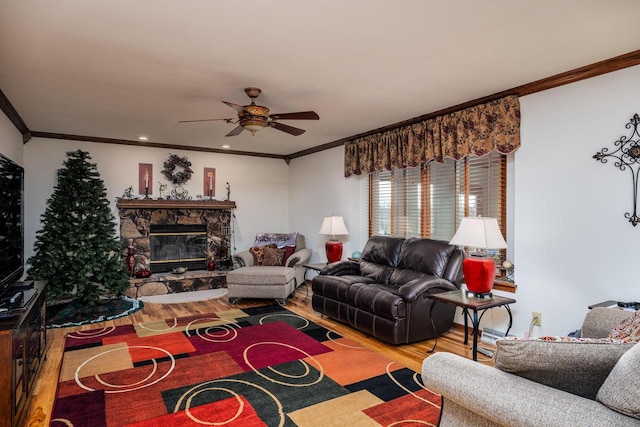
431, 200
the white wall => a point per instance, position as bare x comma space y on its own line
10, 140
573, 246
319, 189
259, 186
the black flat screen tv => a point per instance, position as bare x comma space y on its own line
11, 222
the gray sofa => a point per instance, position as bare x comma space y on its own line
543, 383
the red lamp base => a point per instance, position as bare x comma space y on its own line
479, 274
334, 250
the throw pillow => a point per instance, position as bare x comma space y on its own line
288, 251
272, 256
628, 330
575, 365
258, 253
621, 389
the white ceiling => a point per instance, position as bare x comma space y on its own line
121, 68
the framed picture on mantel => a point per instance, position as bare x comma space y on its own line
209, 184
145, 178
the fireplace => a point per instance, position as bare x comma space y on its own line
177, 245
167, 234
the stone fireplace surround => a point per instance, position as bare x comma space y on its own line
136, 217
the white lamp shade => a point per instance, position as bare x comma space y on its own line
333, 226
479, 232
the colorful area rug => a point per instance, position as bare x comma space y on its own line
262, 366
75, 313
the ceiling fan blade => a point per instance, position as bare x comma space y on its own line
238, 108
288, 129
204, 120
235, 131
302, 115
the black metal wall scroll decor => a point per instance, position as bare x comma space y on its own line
627, 156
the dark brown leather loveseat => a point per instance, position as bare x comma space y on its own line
384, 294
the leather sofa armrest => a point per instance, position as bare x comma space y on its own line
411, 290
341, 268
536, 404
242, 259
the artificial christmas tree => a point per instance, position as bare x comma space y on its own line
77, 249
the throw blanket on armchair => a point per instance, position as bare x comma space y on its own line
280, 239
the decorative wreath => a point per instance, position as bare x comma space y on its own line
169, 171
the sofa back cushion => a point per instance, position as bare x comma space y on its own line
421, 257
380, 257
425, 255
621, 389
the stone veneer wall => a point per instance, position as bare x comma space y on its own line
136, 216
170, 283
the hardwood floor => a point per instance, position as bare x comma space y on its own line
410, 355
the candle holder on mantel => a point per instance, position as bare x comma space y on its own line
209, 182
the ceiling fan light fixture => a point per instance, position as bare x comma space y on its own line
253, 128
253, 123
255, 117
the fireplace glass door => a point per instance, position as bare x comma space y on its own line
175, 246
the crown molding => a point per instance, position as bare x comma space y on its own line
150, 144
12, 114
603, 67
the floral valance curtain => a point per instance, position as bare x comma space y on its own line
476, 130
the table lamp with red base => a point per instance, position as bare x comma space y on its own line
479, 270
333, 226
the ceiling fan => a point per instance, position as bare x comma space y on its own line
255, 117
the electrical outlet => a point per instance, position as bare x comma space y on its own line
536, 318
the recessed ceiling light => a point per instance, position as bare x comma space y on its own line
226, 146
143, 138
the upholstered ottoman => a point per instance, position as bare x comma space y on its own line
261, 282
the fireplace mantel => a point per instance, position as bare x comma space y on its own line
174, 204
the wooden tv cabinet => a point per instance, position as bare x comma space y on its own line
23, 340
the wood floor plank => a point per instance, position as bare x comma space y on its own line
410, 355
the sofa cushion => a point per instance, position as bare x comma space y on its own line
288, 251
335, 287
425, 255
628, 330
376, 272
258, 253
261, 275
377, 299
621, 389
382, 250
272, 256
576, 365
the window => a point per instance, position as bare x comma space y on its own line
431, 200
